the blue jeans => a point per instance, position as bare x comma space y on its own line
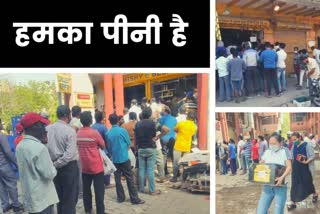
279, 194
224, 166
281, 74
147, 161
248, 160
224, 88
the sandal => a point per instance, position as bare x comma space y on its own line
157, 192
291, 207
315, 198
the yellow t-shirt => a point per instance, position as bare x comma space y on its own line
185, 130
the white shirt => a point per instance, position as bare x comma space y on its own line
241, 143
316, 53
126, 118
313, 65
181, 117
155, 110
250, 57
280, 157
282, 56
135, 109
221, 66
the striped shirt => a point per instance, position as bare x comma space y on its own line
247, 149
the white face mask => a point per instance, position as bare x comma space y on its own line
295, 51
274, 148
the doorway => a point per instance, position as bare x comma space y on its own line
235, 37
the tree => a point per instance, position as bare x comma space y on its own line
34, 96
285, 125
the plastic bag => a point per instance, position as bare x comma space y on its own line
132, 158
108, 166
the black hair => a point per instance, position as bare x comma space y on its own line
86, 118
304, 51
144, 100
132, 116
240, 137
146, 113
37, 130
277, 43
140, 116
220, 53
312, 48
125, 111
167, 109
63, 111
267, 45
232, 50
231, 141
295, 48
192, 115
113, 118
182, 110
261, 137
277, 136
98, 116
235, 54
76, 111
297, 134
282, 45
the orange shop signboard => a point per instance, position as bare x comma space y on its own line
84, 100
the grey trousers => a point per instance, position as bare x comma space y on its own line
160, 163
8, 187
243, 163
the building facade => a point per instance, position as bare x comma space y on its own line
305, 122
296, 23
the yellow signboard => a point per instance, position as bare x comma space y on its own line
84, 100
129, 79
64, 83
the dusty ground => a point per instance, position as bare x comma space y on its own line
171, 201
236, 193
262, 101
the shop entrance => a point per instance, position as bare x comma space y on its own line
235, 37
135, 92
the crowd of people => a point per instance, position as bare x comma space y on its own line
274, 149
252, 70
58, 162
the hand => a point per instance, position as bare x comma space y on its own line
304, 161
279, 181
156, 138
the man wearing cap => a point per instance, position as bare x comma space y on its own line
62, 145
8, 179
18, 139
35, 166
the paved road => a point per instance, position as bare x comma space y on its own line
171, 201
236, 193
262, 101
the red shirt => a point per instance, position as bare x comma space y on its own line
255, 151
89, 141
17, 140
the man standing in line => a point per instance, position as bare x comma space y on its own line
35, 166
263, 146
168, 140
119, 143
281, 68
8, 179
185, 131
77, 125
241, 157
62, 145
135, 108
250, 57
269, 59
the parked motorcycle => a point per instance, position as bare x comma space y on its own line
195, 169
315, 91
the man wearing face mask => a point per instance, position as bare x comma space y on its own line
35, 166
62, 145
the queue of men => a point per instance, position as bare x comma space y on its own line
247, 71
59, 162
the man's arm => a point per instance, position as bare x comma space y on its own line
311, 72
164, 131
126, 137
7, 150
71, 149
45, 166
100, 140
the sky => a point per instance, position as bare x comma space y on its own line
24, 78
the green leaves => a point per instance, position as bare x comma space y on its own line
34, 96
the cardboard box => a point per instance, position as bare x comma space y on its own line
265, 173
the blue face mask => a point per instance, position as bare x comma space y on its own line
274, 148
